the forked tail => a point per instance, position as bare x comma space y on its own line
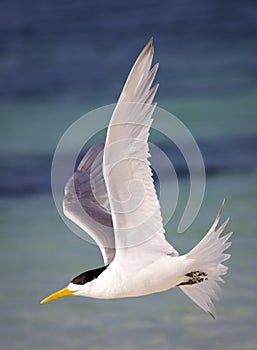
207, 258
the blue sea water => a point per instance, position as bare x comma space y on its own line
59, 61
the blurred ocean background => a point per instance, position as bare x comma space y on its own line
58, 61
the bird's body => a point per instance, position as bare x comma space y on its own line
132, 280
138, 259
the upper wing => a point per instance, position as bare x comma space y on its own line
85, 201
134, 205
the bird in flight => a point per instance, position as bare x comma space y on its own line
112, 197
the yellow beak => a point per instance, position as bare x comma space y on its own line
60, 294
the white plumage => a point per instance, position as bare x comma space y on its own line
117, 175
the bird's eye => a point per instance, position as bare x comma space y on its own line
80, 279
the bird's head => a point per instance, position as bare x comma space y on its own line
77, 285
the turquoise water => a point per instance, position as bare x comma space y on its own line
211, 117
38, 253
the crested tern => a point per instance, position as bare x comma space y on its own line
138, 260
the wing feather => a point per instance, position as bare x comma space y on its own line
133, 201
85, 201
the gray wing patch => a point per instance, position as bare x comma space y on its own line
86, 200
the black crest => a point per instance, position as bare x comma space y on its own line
88, 276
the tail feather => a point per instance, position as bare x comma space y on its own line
207, 257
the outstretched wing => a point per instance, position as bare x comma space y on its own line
86, 199
133, 201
